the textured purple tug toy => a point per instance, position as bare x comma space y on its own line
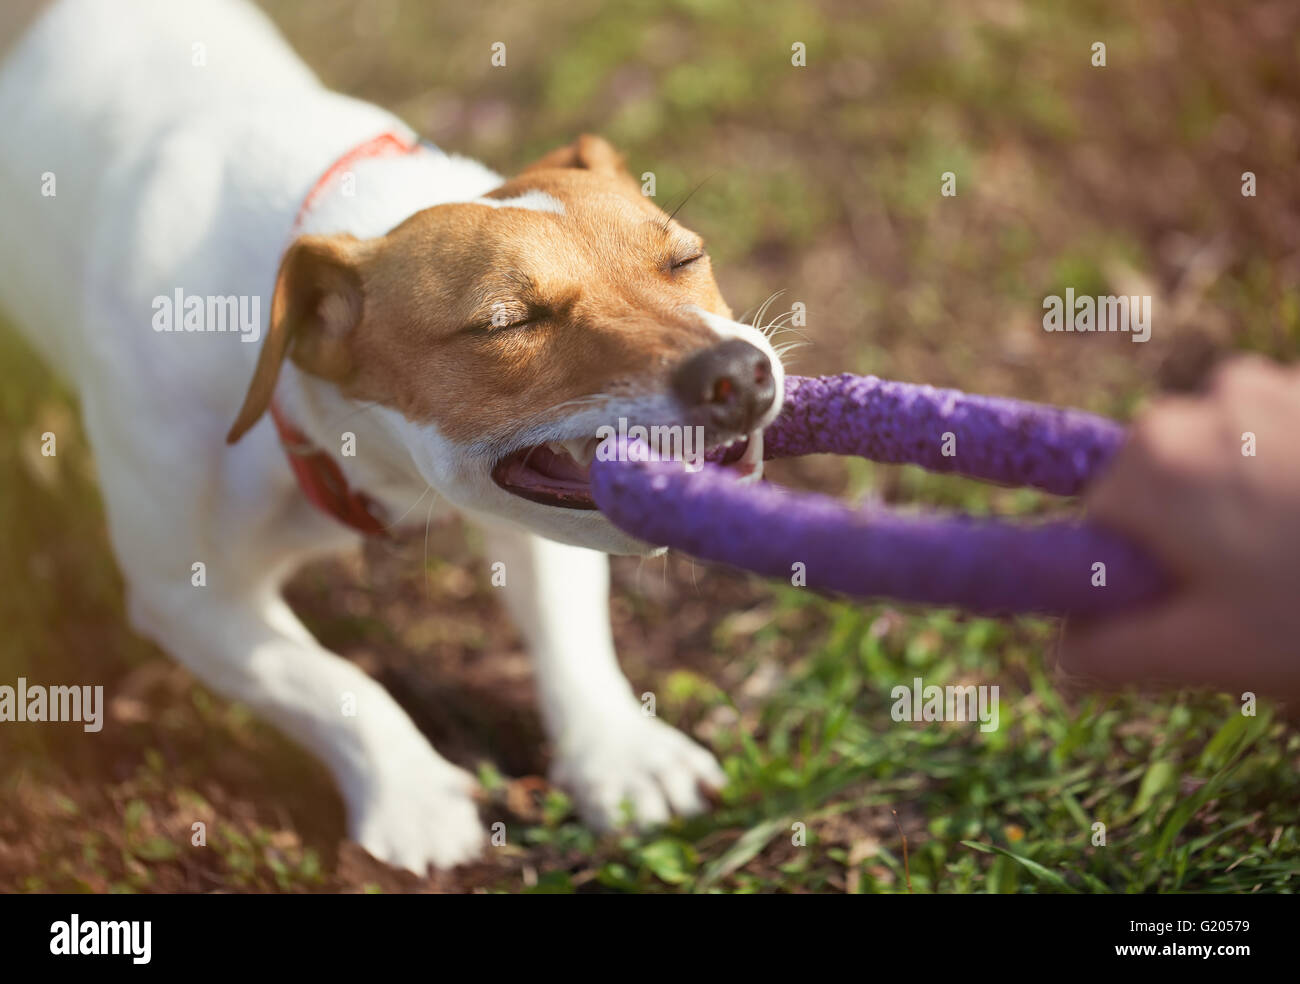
985, 565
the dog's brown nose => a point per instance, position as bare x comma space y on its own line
728, 387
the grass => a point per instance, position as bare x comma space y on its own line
1020, 796
1187, 789
824, 181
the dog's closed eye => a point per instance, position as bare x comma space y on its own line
506, 317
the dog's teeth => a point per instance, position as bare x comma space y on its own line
752, 459
580, 449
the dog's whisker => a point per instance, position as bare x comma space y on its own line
364, 407
779, 323
766, 328
762, 310
785, 329
395, 523
757, 312
428, 585
575, 403
772, 328
775, 294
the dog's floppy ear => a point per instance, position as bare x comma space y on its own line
589, 152
317, 303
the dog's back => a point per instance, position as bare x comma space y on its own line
134, 131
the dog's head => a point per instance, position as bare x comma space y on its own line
503, 334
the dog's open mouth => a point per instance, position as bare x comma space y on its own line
558, 473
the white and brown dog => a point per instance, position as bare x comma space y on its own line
176, 184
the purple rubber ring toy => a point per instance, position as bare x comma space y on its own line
985, 565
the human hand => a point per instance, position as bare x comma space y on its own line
1226, 526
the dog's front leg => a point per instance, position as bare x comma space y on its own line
406, 804
610, 753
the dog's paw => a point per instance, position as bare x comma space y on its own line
413, 824
635, 768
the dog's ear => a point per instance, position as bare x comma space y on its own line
589, 152
316, 305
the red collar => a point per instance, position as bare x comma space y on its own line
320, 477
322, 482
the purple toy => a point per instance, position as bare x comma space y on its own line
982, 564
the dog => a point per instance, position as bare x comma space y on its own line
240, 271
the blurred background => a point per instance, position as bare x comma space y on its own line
823, 182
